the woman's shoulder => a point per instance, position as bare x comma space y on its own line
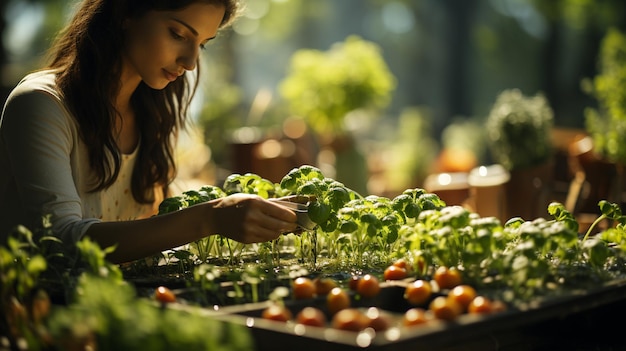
36, 100
39, 81
37, 91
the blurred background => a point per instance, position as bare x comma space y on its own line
386, 95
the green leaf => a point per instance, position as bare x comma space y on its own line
319, 212
348, 226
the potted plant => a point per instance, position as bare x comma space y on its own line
324, 87
519, 137
606, 124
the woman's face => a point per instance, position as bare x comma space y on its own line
162, 45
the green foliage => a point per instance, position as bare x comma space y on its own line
521, 258
190, 198
607, 125
325, 86
103, 310
519, 130
518, 261
413, 133
21, 264
249, 183
328, 194
108, 311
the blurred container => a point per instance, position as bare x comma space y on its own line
453, 188
487, 191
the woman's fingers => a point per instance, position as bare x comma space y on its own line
250, 218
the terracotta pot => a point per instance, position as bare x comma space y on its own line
599, 179
527, 192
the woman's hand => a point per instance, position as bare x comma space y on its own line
249, 218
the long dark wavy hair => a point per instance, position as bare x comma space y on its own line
87, 56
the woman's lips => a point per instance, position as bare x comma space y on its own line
170, 76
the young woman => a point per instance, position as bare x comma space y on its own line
88, 140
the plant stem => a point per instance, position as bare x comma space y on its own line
598, 220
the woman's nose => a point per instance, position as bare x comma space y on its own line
189, 59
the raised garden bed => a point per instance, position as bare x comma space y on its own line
577, 320
545, 272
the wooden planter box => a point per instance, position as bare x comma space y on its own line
580, 320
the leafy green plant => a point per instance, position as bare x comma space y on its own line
328, 194
323, 87
21, 265
372, 225
519, 130
107, 314
523, 259
607, 123
609, 211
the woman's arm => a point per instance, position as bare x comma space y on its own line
241, 217
41, 142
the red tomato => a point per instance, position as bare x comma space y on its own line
276, 312
463, 294
368, 286
444, 308
416, 316
324, 285
164, 295
480, 305
303, 288
395, 273
418, 292
311, 316
337, 300
447, 278
350, 319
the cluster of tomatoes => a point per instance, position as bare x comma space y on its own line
338, 305
427, 298
431, 303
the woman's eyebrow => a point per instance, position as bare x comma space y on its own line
191, 29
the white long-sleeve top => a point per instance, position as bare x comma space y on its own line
44, 167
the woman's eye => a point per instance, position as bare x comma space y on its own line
176, 35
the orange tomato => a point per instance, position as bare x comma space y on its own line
324, 285
337, 300
276, 312
463, 294
368, 286
418, 292
164, 295
303, 288
350, 319
378, 319
416, 316
444, 308
403, 263
395, 273
447, 278
498, 306
354, 282
311, 316
480, 305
